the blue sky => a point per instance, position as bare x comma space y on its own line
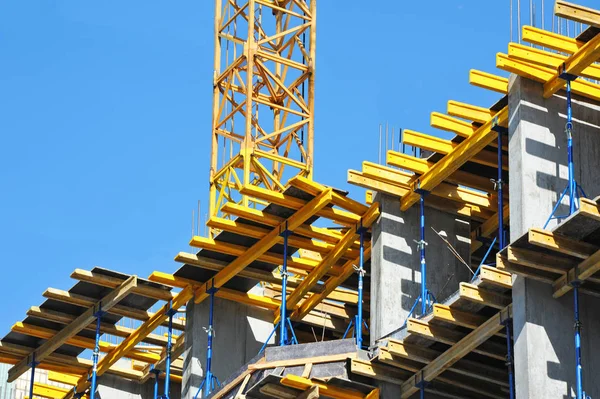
105, 118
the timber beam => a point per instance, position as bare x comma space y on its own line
577, 13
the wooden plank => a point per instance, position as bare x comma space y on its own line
310, 393
456, 352
82, 321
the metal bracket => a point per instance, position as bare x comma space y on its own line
497, 128
421, 244
210, 331
98, 312
497, 184
359, 270
564, 75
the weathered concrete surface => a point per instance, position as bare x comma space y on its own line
112, 387
395, 261
543, 326
240, 332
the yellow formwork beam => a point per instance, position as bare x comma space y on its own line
487, 228
456, 158
48, 391
488, 81
80, 342
442, 146
255, 215
456, 352
263, 245
451, 124
63, 378
239, 250
330, 391
565, 245
483, 296
337, 215
469, 112
314, 276
574, 65
421, 166
253, 231
330, 287
554, 41
547, 59
577, 13
444, 190
87, 302
69, 333
542, 74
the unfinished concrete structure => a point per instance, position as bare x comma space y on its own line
468, 295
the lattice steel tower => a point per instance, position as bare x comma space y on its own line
263, 100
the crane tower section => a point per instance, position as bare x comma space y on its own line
263, 100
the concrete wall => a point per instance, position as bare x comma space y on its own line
240, 332
112, 387
395, 261
544, 343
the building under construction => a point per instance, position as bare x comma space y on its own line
467, 271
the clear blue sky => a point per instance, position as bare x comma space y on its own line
105, 118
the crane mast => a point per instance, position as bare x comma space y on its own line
263, 99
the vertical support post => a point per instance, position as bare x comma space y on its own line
32, 382
99, 313
499, 182
578, 365
156, 373
361, 272
569, 132
171, 312
284, 277
423, 263
509, 359
208, 385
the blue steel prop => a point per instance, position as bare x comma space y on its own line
167, 388
358, 319
284, 324
33, 365
487, 253
156, 373
509, 356
210, 381
578, 365
426, 297
573, 190
96, 354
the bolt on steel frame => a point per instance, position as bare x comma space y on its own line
263, 97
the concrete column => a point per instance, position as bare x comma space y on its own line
395, 261
543, 326
240, 332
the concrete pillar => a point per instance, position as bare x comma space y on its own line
543, 326
395, 261
240, 332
